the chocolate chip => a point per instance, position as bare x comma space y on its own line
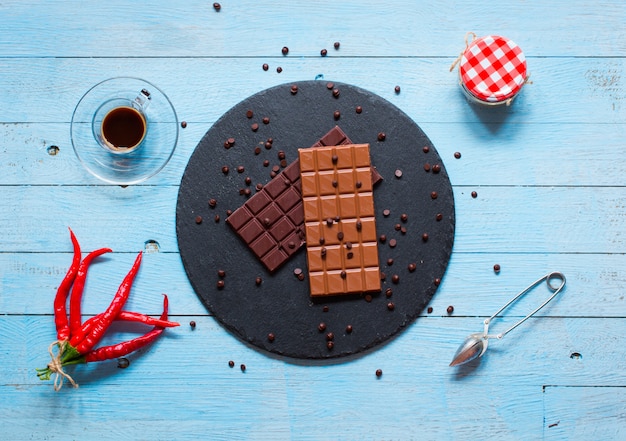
325, 308
437, 281
294, 89
265, 67
216, 218
424, 237
349, 255
276, 168
334, 183
404, 217
279, 69
192, 324
259, 186
368, 298
343, 274
322, 240
283, 163
496, 268
450, 309
457, 155
397, 227
217, 6
266, 163
323, 252
329, 85
349, 329
336, 93
412, 267
381, 136
330, 336
382, 238
427, 167
439, 217
433, 195
358, 184
386, 212
398, 173
383, 276
336, 114
249, 114
229, 212
323, 52
474, 194
285, 50
257, 150
359, 225
258, 281
391, 306
231, 364
266, 120
242, 367
397, 89
426, 149
388, 292
329, 221
183, 124
403, 230
359, 109
225, 169
393, 243
241, 169
198, 220
268, 145
221, 273
321, 327
330, 345
395, 278
271, 337
336, 44
297, 271
430, 310
220, 284
212, 202
254, 127
231, 141
340, 235
436, 168
379, 373
349, 245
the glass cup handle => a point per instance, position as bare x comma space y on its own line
142, 100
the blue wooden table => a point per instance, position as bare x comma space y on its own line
548, 172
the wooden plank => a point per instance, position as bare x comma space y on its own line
245, 28
550, 154
210, 86
417, 391
595, 284
579, 412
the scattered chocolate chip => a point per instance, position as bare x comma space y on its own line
368, 298
281, 154
379, 373
336, 114
265, 67
221, 273
279, 69
397, 89
496, 268
220, 284
336, 93
425, 237
216, 218
183, 124
474, 194
323, 252
395, 278
343, 274
297, 271
358, 184
330, 345
437, 281
398, 173
323, 52
433, 195
231, 364
229, 212
325, 308
383, 276
330, 336
249, 114
359, 225
242, 367
430, 310
285, 50
321, 327
266, 120
330, 86
217, 6
276, 168
382, 238
450, 309
397, 227
388, 292
271, 337
391, 306
198, 220
336, 44
427, 167
259, 186
412, 267
294, 89
426, 149
241, 169
329, 221
268, 145
283, 163
254, 127
389, 261
258, 281
340, 235
212, 202
192, 324
225, 169
257, 150
393, 243
266, 163
436, 168
403, 230
439, 217
381, 136
334, 183
123, 363
386, 212
457, 155
404, 217
322, 240
359, 109
349, 245
349, 329
231, 141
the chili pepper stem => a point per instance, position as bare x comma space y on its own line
66, 355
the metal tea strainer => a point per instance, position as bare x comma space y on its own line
475, 345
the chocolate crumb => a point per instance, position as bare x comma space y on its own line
349, 245
368, 298
437, 281
425, 237
217, 6
382, 238
249, 114
221, 273
381, 136
359, 225
439, 217
271, 337
343, 274
388, 292
231, 364
412, 267
321, 327
297, 271
496, 268
220, 284
325, 308
403, 230
334, 159
257, 150
330, 345
216, 218
426, 149
450, 309
279, 69
457, 155
330, 336
359, 109
391, 306
430, 310
389, 261
242, 367
436, 168
383, 276
212, 202
281, 154
336, 44
198, 220
329, 221
474, 194
248, 180
254, 127
393, 243
404, 217
397, 89
336, 93
330, 86
231, 141
266, 120
379, 373
323, 252
229, 212
386, 212
323, 52
268, 145
397, 227
349, 329
225, 169
340, 235
427, 167
294, 89
398, 173
395, 278
258, 281
349, 255
265, 67
433, 195
322, 240
183, 124
192, 324
285, 50
336, 114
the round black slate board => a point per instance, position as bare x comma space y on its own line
281, 305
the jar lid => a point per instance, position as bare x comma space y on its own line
493, 68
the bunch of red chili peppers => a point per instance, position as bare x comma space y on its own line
76, 340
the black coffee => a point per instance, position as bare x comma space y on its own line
123, 127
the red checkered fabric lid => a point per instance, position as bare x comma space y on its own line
493, 68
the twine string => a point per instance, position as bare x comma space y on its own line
467, 43
56, 365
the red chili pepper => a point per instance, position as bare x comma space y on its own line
60, 309
125, 348
126, 316
108, 316
77, 289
